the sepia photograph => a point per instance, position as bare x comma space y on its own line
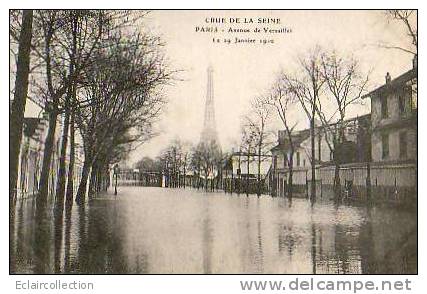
213, 142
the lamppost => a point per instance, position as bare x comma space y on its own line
116, 170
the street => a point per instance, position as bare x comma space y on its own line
157, 230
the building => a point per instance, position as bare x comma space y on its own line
379, 155
31, 155
394, 119
354, 149
394, 136
240, 172
281, 158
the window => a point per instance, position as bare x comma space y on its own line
298, 159
405, 102
303, 162
403, 145
401, 98
385, 145
414, 97
384, 107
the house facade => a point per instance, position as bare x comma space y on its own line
31, 155
281, 154
394, 109
354, 149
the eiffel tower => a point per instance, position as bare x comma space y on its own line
209, 134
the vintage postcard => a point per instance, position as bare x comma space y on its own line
212, 142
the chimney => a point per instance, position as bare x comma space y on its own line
415, 62
387, 78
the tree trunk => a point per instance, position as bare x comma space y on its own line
19, 100
198, 180
259, 172
291, 173
290, 183
100, 178
247, 176
337, 181
92, 182
70, 182
313, 160
206, 179
185, 175
81, 191
240, 174
60, 183
47, 156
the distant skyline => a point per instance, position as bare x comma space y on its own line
243, 71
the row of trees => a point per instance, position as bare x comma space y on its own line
98, 73
324, 85
180, 158
323, 78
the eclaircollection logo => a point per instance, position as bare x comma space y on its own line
55, 285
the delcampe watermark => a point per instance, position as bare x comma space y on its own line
313, 284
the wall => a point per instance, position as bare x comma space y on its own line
325, 152
379, 124
385, 178
31, 159
394, 145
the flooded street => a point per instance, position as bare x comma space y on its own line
157, 230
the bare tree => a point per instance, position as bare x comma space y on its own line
173, 154
261, 138
123, 84
56, 50
282, 100
196, 165
306, 87
207, 155
345, 86
247, 145
408, 19
61, 47
185, 160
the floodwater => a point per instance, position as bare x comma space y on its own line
174, 231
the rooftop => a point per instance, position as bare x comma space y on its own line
395, 83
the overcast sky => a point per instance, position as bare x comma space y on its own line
242, 71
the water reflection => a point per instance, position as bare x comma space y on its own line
207, 240
41, 251
154, 230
